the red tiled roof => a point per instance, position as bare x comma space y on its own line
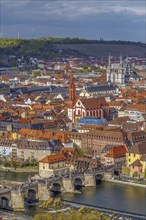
93, 102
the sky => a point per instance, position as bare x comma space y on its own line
90, 19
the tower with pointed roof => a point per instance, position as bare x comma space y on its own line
108, 75
72, 96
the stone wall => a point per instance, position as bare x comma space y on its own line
68, 185
89, 180
17, 201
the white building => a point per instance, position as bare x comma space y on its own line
119, 72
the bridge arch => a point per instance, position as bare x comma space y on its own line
116, 173
78, 183
31, 194
56, 187
4, 202
98, 178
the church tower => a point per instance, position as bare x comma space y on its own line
72, 96
108, 74
121, 75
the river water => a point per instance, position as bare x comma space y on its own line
107, 195
112, 196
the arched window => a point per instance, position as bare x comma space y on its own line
79, 112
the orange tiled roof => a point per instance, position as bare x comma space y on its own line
67, 150
44, 135
53, 158
116, 152
137, 107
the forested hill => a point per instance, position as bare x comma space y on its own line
53, 47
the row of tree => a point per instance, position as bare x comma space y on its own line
8, 42
81, 214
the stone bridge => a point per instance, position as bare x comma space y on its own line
14, 198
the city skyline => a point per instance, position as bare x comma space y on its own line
110, 20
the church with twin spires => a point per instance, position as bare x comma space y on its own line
119, 73
85, 107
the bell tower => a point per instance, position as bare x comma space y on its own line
72, 96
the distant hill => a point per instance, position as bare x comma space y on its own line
64, 47
102, 50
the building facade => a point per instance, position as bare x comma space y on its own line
53, 164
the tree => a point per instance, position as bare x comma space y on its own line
57, 201
135, 174
126, 170
37, 73
80, 151
81, 214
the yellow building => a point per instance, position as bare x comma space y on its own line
136, 158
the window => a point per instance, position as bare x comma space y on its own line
129, 160
133, 155
129, 154
43, 167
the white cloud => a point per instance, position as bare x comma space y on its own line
74, 9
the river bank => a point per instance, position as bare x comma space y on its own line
15, 177
28, 169
10, 183
111, 212
127, 183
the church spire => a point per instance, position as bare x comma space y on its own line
72, 88
72, 91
